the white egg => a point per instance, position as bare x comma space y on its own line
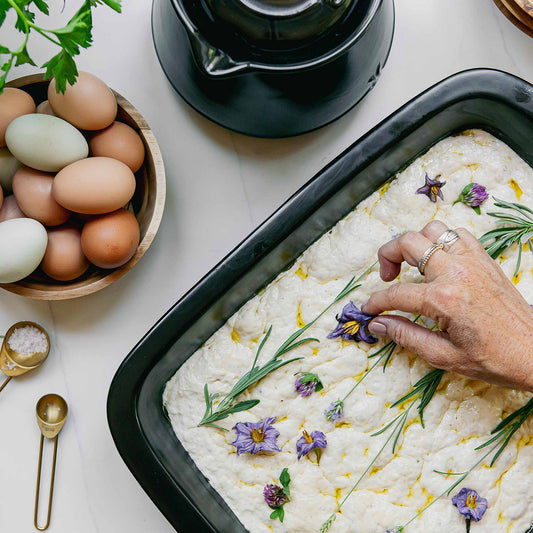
8, 166
22, 246
44, 142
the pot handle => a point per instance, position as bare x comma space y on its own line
213, 61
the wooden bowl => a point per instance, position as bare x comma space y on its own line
147, 204
519, 12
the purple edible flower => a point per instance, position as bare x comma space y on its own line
397, 529
306, 383
470, 504
473, 195
255, 438
307, 442
432, 189
352, 325
274, 495
335, 410
304, 388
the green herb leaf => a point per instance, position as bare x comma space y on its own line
5, 6
22, 20
41, 5
77, 32
504, 431
274, 363
74, 35
63, 69
23, 57
285, 478
518, 229
113, 4
5, 69
243, 406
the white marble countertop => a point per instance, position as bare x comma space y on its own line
221, 185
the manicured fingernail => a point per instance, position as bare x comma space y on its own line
377, 327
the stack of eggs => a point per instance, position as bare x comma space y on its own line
70, 167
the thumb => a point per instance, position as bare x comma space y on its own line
434, 346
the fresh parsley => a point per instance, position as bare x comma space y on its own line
71, 38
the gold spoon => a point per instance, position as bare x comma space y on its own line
51, 413
15, 364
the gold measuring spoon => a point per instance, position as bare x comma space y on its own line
51, 412
15, 364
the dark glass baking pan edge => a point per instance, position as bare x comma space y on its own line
492, 100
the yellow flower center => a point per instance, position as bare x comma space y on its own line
257, 435
308, 437
434, 190
351, 327
471, 501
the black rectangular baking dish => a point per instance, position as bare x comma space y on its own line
492, 100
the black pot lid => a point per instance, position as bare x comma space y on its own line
278, 21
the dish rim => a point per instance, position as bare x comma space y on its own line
125, 389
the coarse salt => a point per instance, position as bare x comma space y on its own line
27, 340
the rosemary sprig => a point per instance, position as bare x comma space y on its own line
384, 353
423, 390
503, 433
518, 229
229, 405
505, 430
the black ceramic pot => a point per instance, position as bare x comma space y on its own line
277, 85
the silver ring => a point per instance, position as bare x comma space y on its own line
427, 256
447, 239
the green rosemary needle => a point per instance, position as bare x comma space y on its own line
229, 405
423, 390
384, 353
503, 433
517, 228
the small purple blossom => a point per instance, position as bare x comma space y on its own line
432, 189
306, 383
470, 504
274, 495
304, 388
352, 325
315, 441
256, 437
335, 411
397, 529
473, 195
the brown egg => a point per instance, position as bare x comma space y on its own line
109, 241
33, 191
121, 142
89, 104
45, 108
10, 209
94, 186
64, 259
13, 103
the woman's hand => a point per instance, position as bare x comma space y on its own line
486, 325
